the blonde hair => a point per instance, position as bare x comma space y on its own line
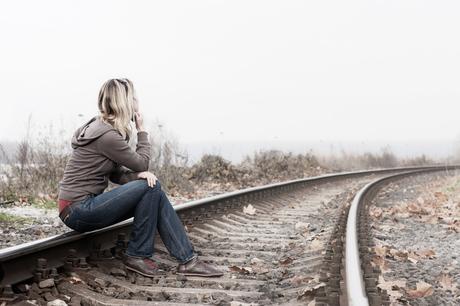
116, 104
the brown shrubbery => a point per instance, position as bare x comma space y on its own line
35, 168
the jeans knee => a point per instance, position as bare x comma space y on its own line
156, 188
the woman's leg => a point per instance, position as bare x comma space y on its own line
131, 199
151, 209
167, 222
172, 231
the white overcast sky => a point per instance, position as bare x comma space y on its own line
231, 71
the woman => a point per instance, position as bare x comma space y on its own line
101, 153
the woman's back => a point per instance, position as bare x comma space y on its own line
97, 151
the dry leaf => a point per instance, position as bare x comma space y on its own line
75, 280
446, 282
423, 290
381, 263
381, 251
391, 285
310, 291
427, 254
242, 270
316, 244
249, 210
302, 226
398, 255
236, 303
300, 279
286, 261
376, 212
413, 257
441, 197
415, 209
255, 261
258, 266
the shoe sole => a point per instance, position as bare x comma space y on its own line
143, 273
202, 275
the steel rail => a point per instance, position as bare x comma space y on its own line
354, 277
18, 263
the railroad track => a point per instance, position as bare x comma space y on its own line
278, 244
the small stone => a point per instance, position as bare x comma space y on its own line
54, 291
47, 283
34, 288
110, 291
75, 301
118, 272
48, 297
57, 302
181, 278
101, 282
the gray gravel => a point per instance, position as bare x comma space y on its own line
420, 232
33, 223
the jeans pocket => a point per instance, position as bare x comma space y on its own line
75, 219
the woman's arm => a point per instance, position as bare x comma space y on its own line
114, 147
122, 175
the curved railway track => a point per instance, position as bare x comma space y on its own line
278, 244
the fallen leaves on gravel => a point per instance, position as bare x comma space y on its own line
412, 256
392, 287
75, 280
249, 210
236, 303
316, 244
300, 279
302, 227
447, 282
375, 212
286, 261
423, 290
258, 266
242, 270
310, 290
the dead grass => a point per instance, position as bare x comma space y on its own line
37, 166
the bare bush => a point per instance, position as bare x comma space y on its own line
385, 159
35, 169
169, 161
37, 166
273, 165
214, 168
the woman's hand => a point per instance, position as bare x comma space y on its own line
139, 120
149, 176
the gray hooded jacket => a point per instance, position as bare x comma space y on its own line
100, 153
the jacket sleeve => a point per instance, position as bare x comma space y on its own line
122, 175
114, 147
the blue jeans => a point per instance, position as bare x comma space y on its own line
151, 210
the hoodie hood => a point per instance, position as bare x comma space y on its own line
90, 131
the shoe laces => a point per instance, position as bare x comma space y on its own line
150, 263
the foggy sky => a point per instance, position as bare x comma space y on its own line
229, 71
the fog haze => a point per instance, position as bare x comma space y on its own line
223, 73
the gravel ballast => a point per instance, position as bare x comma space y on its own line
415, 226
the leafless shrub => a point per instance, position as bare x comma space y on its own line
214, 168
169, 161
421, 160
273, 165
36, 167
385, 159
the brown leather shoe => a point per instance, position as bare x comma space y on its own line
143, 266
196, 267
